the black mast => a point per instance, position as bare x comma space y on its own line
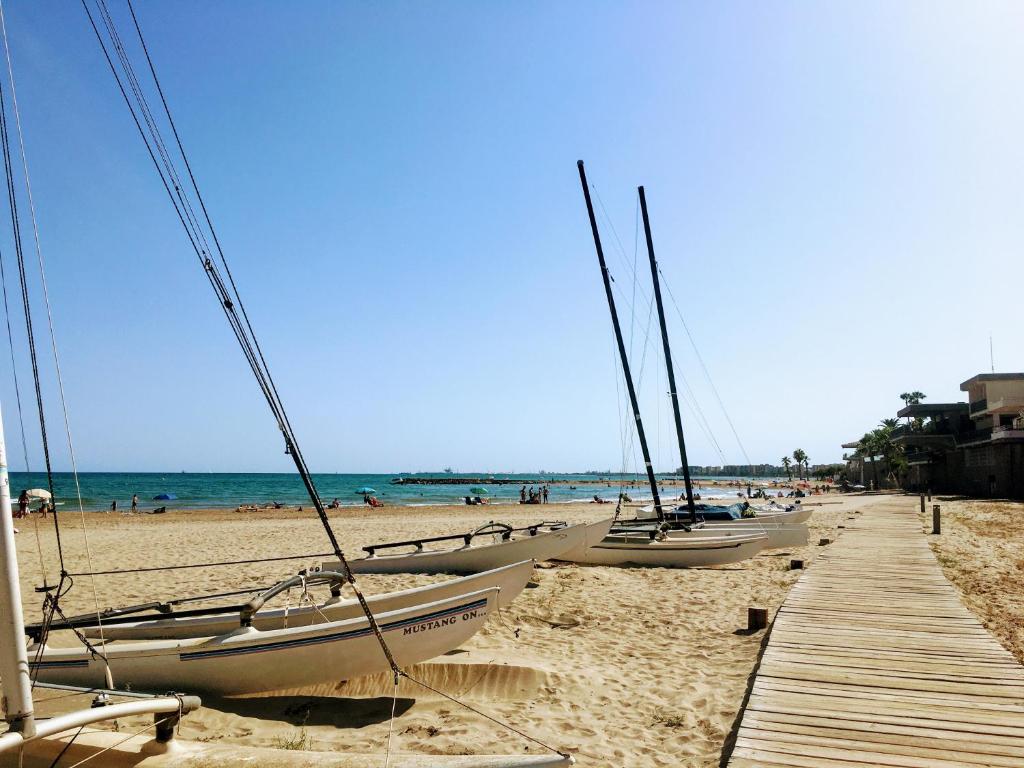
668, 359
622, 347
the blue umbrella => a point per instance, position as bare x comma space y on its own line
365, 490
164, 497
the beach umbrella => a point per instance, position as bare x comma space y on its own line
164, 497
365, 490
478, 490
38, 493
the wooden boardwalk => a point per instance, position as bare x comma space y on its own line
873, 660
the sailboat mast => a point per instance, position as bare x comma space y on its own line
622, 347
17, 687
668, 359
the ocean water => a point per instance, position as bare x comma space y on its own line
196, 490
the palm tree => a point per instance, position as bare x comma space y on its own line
869, 449
799, 456
913, 398
786, 462
893, 452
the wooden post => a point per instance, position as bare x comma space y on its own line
757, 618
796, 565
936, 519
922, 503
929, 495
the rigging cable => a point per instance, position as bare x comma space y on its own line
53, 343
228, 298
27, 306
707, 374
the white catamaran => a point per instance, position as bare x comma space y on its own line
253, 652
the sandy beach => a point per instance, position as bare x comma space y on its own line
623, 667
981, 550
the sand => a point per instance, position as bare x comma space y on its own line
981, 550
624, 667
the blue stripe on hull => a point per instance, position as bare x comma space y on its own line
304, 641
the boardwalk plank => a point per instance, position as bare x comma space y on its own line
874, 660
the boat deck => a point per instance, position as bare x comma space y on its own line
873, 660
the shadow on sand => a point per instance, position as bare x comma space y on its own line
314, 710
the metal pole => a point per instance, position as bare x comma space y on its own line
668, 359
17, 687
622, 347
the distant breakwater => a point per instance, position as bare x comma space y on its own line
456, 481
514, 481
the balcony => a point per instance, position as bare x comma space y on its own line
976, 436
1007, 432
978, 406
1006, 404
932, 435
918, 457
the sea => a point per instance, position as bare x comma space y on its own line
205, 490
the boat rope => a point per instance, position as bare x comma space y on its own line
704, 368
14, 365
391, 723
481, 713
156, 722
183, 566
27, 307
53, 339
226, 292
67, 746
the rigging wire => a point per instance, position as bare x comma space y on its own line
14, 365
226, 292
27, 305
53, 338
707, 373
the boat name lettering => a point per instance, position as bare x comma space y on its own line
428, 625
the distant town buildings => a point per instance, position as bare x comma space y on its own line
974, 448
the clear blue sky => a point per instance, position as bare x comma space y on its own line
834, 189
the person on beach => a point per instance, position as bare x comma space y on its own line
334, 504
545, 492
22, 504
522, 495
135, 503
113, 505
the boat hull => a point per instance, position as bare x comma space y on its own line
250, 661
546, 545
510, 580
780, 535
672, 553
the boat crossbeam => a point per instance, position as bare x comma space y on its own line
173, 705
490, 529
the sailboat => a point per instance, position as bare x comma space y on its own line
695, 521
244, 660
240, 657
509, 580
651, 545
487, 547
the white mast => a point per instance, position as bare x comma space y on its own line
17, 687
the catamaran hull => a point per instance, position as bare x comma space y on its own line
250, 661
546, 545
509, 580
798, 515
780, 536
672, 553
